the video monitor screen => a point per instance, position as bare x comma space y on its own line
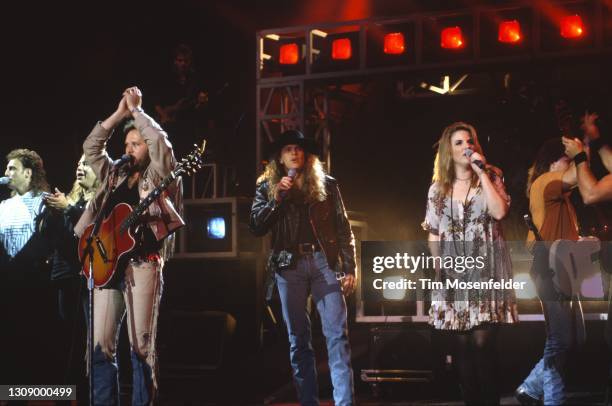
209, 227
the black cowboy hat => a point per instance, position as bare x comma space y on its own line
295, 137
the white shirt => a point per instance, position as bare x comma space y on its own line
17, 221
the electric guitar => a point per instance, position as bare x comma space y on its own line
115, 237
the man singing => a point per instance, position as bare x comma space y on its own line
136, 287
23, 292
313, 252
18, 214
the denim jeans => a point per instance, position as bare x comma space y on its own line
106, 380
606, 278
138, 297
312, 275
546, 381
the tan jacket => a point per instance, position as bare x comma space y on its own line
161, 216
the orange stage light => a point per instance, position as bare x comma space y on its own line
394, 43
289, 54
341, 49
572, 27
509, 32
452, 38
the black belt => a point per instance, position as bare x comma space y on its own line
307, 248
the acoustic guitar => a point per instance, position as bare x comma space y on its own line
570, 261
115, 236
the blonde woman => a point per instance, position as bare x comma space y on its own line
64, 211
61, 214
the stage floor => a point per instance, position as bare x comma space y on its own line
264, 378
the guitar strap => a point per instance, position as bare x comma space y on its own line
111, 186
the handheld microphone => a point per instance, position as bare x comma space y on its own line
118, 163
292, 172
5, 180
468, 153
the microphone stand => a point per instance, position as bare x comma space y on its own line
88, 253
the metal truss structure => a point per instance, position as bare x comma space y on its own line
299, 98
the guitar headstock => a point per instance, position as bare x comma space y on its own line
192, 162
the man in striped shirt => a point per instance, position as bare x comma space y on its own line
18, 214
25, 300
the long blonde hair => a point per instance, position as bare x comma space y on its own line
444, 170
313, 187
78, 191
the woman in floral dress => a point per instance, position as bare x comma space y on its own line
465, 204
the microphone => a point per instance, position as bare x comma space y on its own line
468, 153
118, 163
5, 180
292, 172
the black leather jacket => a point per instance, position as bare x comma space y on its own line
328, 219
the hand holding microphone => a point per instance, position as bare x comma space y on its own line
476, 160
285, 184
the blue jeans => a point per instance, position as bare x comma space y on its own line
606, 278
546, 381
312, 275
106, 379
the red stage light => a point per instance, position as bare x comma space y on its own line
289, 54
341, 48
394, 43
509, 32
572, 27
452, 38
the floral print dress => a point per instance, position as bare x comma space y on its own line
466, 229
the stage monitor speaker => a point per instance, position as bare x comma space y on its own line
216, 228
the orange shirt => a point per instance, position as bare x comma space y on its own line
551, 210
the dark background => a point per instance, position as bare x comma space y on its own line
65, 65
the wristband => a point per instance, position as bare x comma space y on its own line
136, 109
580, 157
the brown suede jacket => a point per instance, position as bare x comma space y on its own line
161, 216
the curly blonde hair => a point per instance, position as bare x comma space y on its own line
78, 191
444, 170
313, 187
